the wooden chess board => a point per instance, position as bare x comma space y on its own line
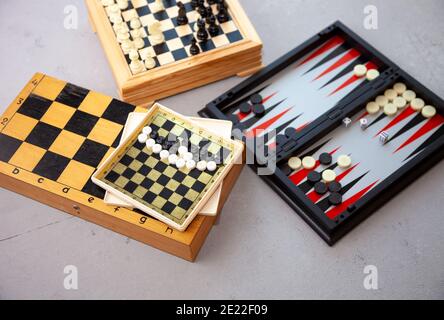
53, 137
236, 50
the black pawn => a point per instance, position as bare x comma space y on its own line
221, 3
182, 18
201, 9
213, 28
194, 49
194, 3
222, 15
202, 33
210, 2
208, 14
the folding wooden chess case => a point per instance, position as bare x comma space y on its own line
417, 143
53, 137
241, 55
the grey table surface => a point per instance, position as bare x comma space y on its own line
261, 249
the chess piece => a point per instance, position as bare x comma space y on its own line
213, 28
209, 14
138, 43
158, 6
202, 33
127, 46
156, 33
123, 4
122, 36
136, 64
182, 18
194, 49
222, 15
194, 4
201, 9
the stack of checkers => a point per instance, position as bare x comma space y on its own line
253, 105
176, 152
155, 33
393, 101
361, 71
324, 182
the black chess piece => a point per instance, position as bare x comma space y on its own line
182, 18
202, 9
210, 2
194, 4
202, 33
194, 49
222, 15
208, 14
221, 3
213, 28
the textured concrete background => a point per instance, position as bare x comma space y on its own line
261, 249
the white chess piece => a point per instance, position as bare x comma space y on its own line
136, 64
157, 6
156, 33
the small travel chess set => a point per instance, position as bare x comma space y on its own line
167, 176
335, 128
158, 48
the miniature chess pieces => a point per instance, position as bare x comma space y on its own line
158, 6
156, 33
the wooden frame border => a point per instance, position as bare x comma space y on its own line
241, 58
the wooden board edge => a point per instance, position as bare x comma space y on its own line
115, 224
243, 21
105, 33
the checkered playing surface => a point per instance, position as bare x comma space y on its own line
174, 193
177, 38
62, 132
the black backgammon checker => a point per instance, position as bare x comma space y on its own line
315, 104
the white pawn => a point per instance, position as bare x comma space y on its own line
135, 23
187, 156
122, 35
172, 159
157, 148
150, 63
180, 163
147, 130
182, 150
139, 43
211, 166
157, 6
142, 138
202, 165
191, 164
123, 4
136, 64
127, 46
164, 154
156, 33
150, 143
